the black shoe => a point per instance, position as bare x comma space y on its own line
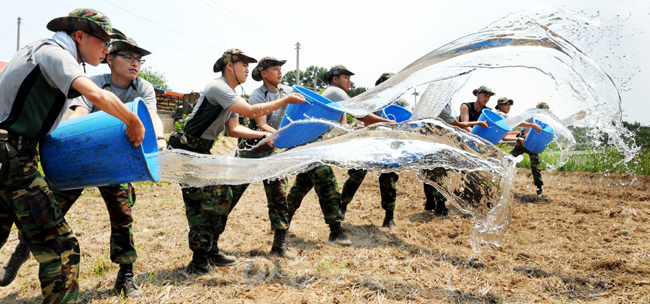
199, 264
218, 258
539, 190
125, 284
429, 205
441, 209
279, 247
388, 220
10, 269
337, 236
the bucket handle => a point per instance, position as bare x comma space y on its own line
388, 117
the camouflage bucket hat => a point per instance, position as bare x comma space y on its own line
542, 105
336, 70
483, 89
84, 19
265, 63
231, 55
505, 100
126, 44
383, 78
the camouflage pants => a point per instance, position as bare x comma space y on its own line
27, 201
386, 188
430, 192
535, 162
324, 182
119, 200
207, 209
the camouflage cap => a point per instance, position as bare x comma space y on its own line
483, 89
231, 55
542, 105
265, 63
84, 19
383, 78
336, 70
505, 100
126, 44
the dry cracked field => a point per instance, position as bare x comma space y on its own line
586, 240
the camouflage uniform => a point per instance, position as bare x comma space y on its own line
27, 201
119, 200
535, 162
432, 194
386, 187
324, 182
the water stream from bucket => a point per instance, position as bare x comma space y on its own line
477, 175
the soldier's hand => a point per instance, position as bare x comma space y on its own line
295, 98
483, 124
135, 131
537, 127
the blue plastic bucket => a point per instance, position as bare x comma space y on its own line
496, 130
316, 107
94, 150
536, 142
396, 113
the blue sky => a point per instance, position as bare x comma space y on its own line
369, 37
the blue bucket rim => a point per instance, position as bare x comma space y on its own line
139, 102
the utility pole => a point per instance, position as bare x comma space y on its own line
18, 40
297, 63
415, 95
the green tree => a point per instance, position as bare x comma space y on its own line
311, 78
354, 91
156, 78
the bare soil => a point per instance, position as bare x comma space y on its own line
585, 240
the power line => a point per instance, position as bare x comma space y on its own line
158, 24
257, 29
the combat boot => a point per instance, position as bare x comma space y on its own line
388, 220
199, 264
441, 209
125, 283
10, 269
337, 236
429, 205
279, 247
218, 258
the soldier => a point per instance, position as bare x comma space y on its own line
520, 149
386, 180
34, 88
125, 61
322, 178
207, 208
471, 111
436, 202
269, 71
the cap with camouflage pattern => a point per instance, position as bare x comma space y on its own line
542, 105
383, 78
84, 19
505, 100
483, 89
336, 70
231, 55
263, 64
126, 44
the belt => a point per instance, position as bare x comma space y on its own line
19, 142
191, 143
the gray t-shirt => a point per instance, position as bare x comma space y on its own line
336, 94
211, 110
446, 115
137, 88
262, 95
35, 87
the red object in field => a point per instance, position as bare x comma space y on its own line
510, 136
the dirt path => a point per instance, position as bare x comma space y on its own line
585, 240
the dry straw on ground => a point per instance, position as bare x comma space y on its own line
586, 240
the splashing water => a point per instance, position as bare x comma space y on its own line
473, 174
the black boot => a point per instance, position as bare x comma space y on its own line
430, 205
279, 247
337, 236
199, 264
125, 283
218, 258
441, 209
388, 220
10, 269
